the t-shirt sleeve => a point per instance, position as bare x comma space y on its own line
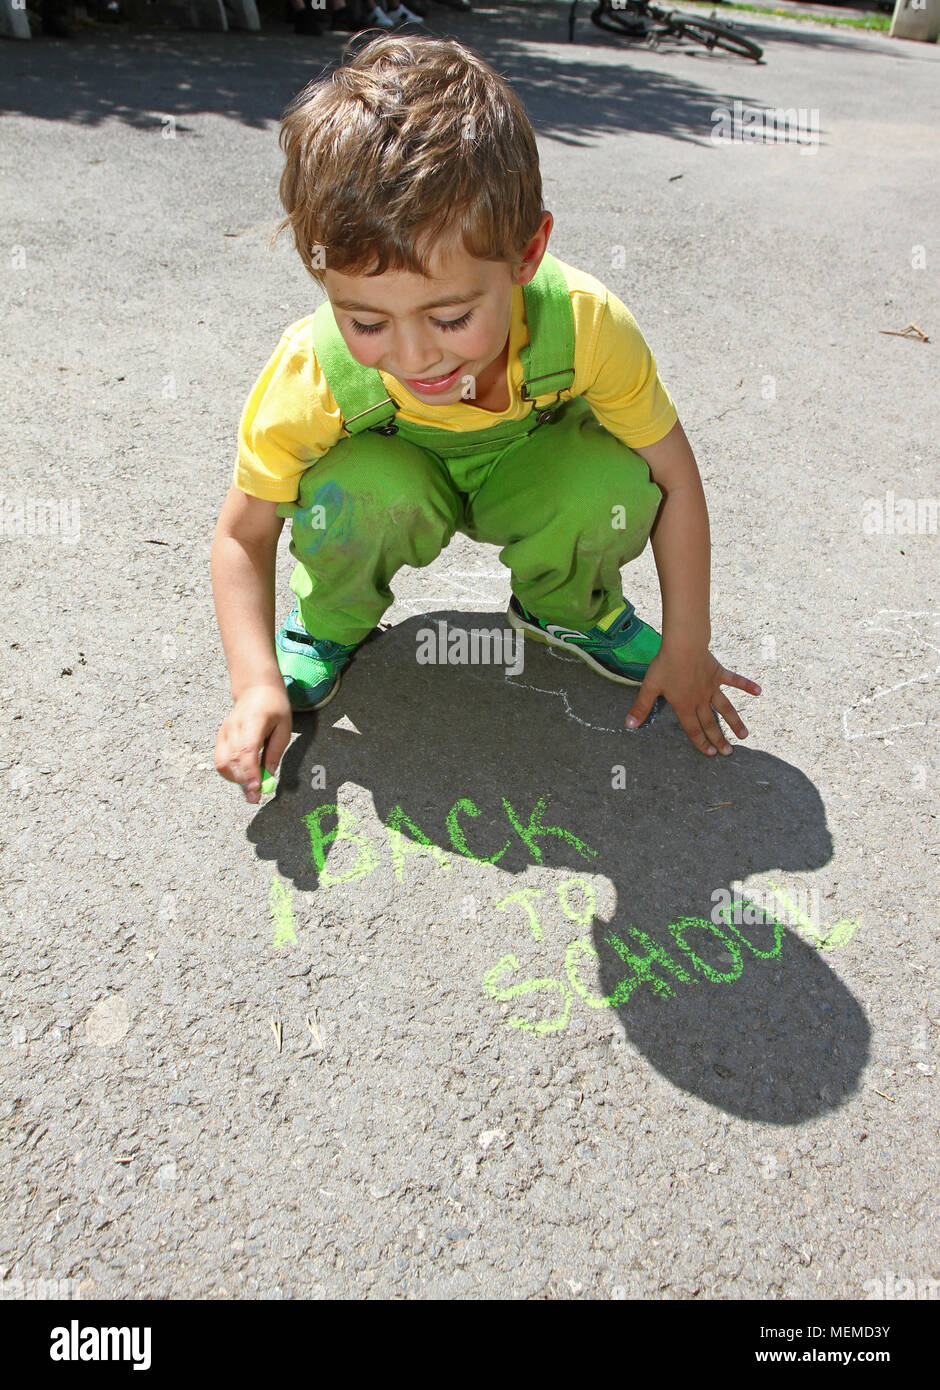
624, 390
289, 420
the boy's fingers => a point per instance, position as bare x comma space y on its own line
277, 744
246, 763
712, 732
226, 761
240, 745
742, 682
728, 712
644, 702
243, 769
693, 729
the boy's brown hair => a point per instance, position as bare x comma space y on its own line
411, 140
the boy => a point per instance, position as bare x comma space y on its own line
459, 377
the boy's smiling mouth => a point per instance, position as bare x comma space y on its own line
433, 384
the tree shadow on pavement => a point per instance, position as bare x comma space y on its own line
748, 1017
251, 79
143, 78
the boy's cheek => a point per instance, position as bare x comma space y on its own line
482, 353
366, 351
363, 355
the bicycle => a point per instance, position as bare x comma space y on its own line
638, 19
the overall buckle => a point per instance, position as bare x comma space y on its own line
548, 413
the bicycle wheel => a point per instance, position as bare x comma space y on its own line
712, 35
627, 25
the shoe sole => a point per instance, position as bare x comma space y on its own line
522, 626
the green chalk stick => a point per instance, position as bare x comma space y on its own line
268, 781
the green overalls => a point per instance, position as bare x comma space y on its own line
567, 501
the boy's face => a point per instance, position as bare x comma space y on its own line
452, 326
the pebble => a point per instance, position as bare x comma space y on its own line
166, 1175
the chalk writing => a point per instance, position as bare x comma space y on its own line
527, 987
367, 856
282, 910
522, 897
648, 963
827, 938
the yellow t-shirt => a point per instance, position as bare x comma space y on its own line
291, 417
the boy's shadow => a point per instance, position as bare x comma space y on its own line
780, 1038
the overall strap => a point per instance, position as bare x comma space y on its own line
548, 358
360, 392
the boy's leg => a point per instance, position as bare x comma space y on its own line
569, 505
369, 506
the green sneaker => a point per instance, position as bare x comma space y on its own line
620, 647
311, 666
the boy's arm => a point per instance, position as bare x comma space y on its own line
680, 540
685, 670
243, 565
244, 559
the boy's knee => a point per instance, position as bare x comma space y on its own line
364, 467
366, 484
611, 493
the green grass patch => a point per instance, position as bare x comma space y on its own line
855, 21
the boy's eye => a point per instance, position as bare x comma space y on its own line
454, 323
446, 324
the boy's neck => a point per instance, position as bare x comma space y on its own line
492, 390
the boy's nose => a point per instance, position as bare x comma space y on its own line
413, 360
419, 373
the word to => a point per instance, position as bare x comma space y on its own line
479, 647
766, 125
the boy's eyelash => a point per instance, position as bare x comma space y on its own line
454, 323
447, 325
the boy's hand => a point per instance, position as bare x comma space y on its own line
691, 681
259, 723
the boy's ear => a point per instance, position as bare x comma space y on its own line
535, 249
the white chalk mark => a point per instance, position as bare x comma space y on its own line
563, 696
891, 629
